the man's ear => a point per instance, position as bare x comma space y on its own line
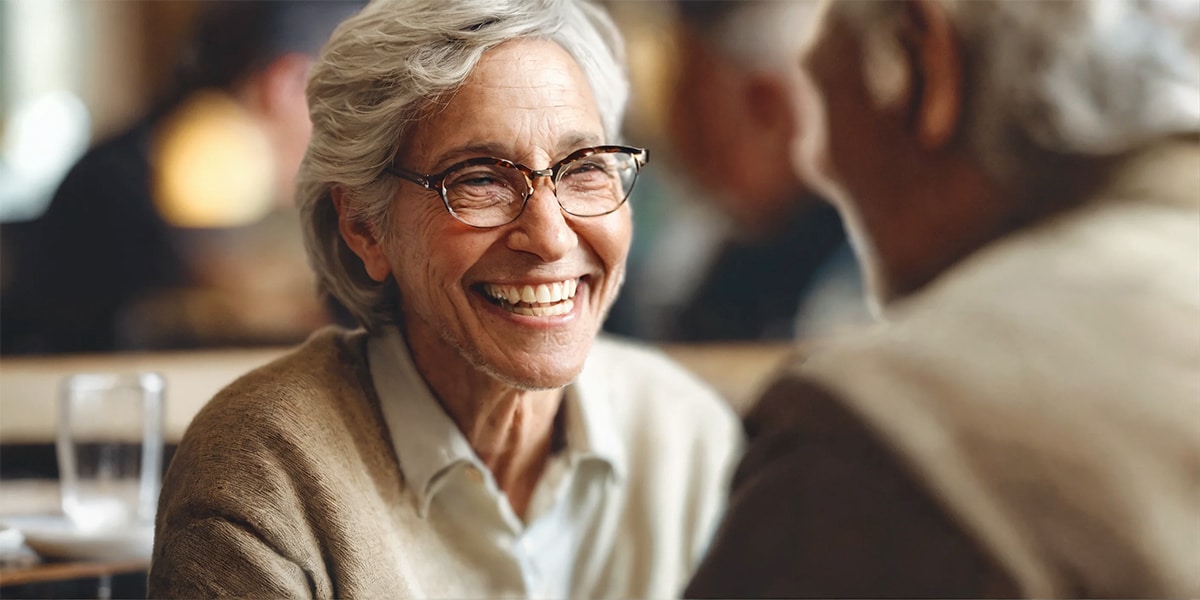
361, 238
935, 57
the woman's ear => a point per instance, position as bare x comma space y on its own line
360, 236
935, 57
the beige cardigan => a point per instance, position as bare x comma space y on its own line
286, 485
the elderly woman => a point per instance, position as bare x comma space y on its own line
463, 195
1022, 183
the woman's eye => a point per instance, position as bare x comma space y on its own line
478, 180
587, 172
584, 167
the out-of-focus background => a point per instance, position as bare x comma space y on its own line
75, 73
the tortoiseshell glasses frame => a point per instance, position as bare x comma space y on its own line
486, 192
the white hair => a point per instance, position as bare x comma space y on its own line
378, 76
1092, 78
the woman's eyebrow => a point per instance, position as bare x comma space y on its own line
567, 143
574, 140
451, 156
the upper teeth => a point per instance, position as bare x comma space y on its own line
531, 294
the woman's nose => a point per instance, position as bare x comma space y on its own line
543, 228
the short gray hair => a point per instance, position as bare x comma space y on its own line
1092, 78
378, 76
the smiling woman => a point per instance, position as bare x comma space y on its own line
445, 312
464, 196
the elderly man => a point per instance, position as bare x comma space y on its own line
1021, 181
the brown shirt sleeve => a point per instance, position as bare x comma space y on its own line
820, 507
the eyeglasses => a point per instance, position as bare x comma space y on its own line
490, 192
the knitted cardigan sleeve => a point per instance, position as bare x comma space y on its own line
216, 557
250, 500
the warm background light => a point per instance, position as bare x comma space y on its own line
215, 166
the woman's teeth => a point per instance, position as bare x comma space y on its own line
542, 300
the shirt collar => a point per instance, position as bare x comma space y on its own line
428, 442
426, 439
591, 423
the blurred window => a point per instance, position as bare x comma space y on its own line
44, 125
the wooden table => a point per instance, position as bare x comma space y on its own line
62, 578
67, 570
103, 580
29, 386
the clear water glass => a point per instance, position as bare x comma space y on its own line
110, 448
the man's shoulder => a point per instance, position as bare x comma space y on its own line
813, 471
116, 172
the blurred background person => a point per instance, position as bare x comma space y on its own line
179, 231
784, 268
1022, 181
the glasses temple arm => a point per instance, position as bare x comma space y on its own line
413, 176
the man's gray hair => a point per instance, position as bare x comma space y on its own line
1075, 77
381, 72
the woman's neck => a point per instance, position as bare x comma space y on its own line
509, 428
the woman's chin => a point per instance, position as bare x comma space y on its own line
536, 372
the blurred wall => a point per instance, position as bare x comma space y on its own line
74, 72
135, 43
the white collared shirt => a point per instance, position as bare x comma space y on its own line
582, 498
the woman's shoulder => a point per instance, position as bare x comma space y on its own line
299, 420
642, 379
635, 362
660, 409
322, 376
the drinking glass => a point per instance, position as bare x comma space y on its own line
110, 446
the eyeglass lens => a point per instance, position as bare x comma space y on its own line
494, 194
